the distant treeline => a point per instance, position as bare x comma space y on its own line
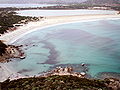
116, 8
70, 6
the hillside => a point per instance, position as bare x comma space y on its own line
60, 83
102, 2
53, 83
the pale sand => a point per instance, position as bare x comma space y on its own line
47, 22
6, 71
10, 37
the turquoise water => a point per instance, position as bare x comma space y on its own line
37, 13
96, 43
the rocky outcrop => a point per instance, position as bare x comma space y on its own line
12, 51
112, 84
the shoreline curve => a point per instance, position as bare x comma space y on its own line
51, 21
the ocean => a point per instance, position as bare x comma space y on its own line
95, 43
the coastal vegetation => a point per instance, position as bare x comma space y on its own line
2, 48
56, 82
53, 83
9, 18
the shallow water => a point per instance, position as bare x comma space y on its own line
96, 43
62, 12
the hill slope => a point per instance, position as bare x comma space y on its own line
103, 2
60, 83
54, 83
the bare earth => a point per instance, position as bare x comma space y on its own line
10, 37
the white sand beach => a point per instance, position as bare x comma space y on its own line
10, 37
6, 71
47, 22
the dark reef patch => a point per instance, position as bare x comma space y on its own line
24, 70
53, 53
104, 75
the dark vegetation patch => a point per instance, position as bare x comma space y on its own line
2, 48
9, 18
54, 83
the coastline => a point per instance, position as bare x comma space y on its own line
50, 21
8, 72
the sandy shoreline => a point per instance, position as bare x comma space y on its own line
6, 71
50, 21
47, 22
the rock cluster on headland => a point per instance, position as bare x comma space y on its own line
10, 51
63, 71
